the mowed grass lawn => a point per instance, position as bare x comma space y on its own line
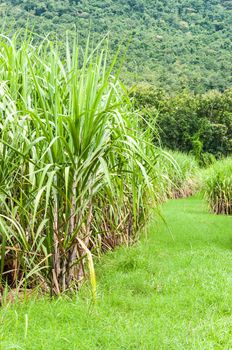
172, 290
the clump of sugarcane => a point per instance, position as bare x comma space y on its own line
218, 187
77, 174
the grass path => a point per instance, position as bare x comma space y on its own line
173, 290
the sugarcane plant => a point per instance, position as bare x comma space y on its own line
77, 173
218, 186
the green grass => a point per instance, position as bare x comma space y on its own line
170, 291
180, 174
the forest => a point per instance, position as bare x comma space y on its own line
174, 45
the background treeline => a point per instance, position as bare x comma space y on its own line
174, 44
200, 124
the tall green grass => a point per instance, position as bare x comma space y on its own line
76, 173
218, 186
179, 174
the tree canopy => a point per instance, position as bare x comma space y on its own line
173, 44
196, 123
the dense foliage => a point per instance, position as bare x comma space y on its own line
200, 124
174, 44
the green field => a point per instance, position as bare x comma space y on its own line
172, 290
115, 175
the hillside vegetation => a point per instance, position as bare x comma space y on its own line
174, 44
